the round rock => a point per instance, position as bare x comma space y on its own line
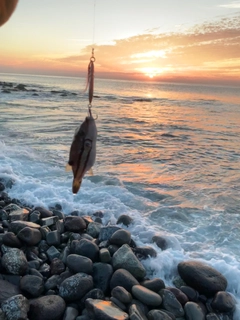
76, 286
33, 285
121, 294
75, 224
205, 279
120, 237
50, 307
7, 290
193, 311
16, 307
122, 277
223, 302
30, 236
146, 296
14, 261
77, 263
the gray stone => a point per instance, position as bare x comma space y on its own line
170, 303
70, 313
52, 253
44, 212
33, 285
44, 231
125, 220
34, 217
120, 237
53, 238
75, 224
181, 297
77, 263
124, 278
8, 290
60, 227
118, 303
49, 221
11, 240
155, 284
146, 296
191, 293
30, 236
212, 316
14, 261
93, 294
16, 226
59, 214
20, 214
50, 307
193, 311
160, 242
121, 294
45, 270
107, 232
105, 255
145, 252
223, 302
125, 258
11, 207
75, 287
102, 273
57, 266
16, 307
158, 315
93, 229
205, 279
105, 310
85, 248
52, 282
136, 313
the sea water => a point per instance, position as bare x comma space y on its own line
168, 155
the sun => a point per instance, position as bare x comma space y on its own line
151, 72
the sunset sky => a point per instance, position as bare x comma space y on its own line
175, 40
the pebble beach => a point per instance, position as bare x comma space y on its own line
56, 266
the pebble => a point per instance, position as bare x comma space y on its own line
77, 263
146, 296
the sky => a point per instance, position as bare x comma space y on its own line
174, 40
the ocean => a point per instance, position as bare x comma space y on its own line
168, 155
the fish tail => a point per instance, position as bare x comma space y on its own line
76, 185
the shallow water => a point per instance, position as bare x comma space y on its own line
167, 154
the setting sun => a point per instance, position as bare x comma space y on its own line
151, 72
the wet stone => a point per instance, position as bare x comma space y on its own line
120, 237
106, 310
190, 293
52, 282
30, 236
34, 217
49, 221
124, 278
32, 285
160, 242
118, 303
93, 229
105, 255
136, 313
53, 238
70, 313
59, 214
16, 226
145, 252
14, 261
146, 296
94, 294
193, 311
11, 240
15, 307
57, 266
102, 273
44, 212
45, 270
125, 220
85, 248
121, 294
212, 316
75, 224
181, 297
52, 253
125, 258
223, 302
158, 315
47, 307
170, 303
107, 232
154, 284
75, 287
8, 290
20, 214
203, 278
77, 263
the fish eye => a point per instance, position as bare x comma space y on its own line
87, 143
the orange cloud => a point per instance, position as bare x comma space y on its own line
209, 51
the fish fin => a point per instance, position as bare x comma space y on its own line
76, 185
90, 171
68, 167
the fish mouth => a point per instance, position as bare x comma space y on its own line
76, 186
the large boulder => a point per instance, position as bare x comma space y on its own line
205, 279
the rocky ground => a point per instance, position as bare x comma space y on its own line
55, 266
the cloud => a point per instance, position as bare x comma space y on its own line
233, 5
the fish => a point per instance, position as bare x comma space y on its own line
82, 153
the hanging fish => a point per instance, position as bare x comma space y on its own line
83, 151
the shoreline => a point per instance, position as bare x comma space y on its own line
57, 266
